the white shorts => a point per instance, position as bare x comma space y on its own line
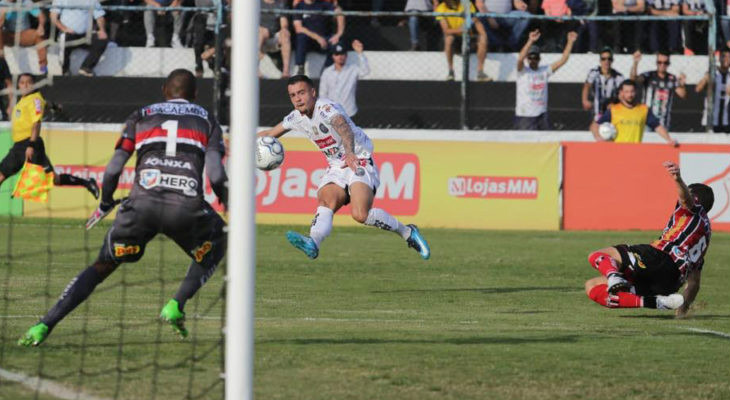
344, 177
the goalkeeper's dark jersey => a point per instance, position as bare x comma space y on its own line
171, 140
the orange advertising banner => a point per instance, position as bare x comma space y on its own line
610, 186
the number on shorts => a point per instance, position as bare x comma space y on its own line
170, 127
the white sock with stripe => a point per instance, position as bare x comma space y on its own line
321, 225
380, 218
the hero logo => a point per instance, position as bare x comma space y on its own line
712, 169
292, 189
150, 178
166, 162
494, 187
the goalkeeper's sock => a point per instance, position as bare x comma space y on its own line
603, 263
70, 180
195, 278
599, 294
75, 293
380, 218
321, 225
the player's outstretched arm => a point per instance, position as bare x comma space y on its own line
685, 198
690, 293
276, 131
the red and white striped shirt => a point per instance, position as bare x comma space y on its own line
686, 238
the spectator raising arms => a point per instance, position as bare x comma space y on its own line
452, 29
314, 33
601, 85
274, 34
339, 81
721, 106
73, 23
659, 86
12, 22
532, 83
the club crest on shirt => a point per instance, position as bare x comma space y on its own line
323, 128
149, 178
38, 106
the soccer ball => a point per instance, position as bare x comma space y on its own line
269, 153
607, 131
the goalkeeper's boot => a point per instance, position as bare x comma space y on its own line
93, 188
303, 243
671, 302
176, 318
617, 283
416, 241
35, 335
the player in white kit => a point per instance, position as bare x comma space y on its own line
351, 177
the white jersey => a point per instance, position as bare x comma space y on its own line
319, 130
532, 91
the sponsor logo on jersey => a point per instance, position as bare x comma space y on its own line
166, 162
174, 108
325, 142
493, 187
38, 106
200, 251
121, 250
150, 178
323, 128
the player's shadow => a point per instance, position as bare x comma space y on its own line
485, 290
671, 316
486, 340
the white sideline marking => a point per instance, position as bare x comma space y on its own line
46, 386
716, 333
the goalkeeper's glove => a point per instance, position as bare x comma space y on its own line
102, 211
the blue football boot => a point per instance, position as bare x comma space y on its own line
303, 243
416, 241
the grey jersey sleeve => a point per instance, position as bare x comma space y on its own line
112, 173
214, 162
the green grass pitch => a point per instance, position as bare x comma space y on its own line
493, 315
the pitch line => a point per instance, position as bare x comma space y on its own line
47, 386
709, 332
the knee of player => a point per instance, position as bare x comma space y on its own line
326, 203
359, 214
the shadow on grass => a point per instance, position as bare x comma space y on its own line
487, 290
709, 317
456, 341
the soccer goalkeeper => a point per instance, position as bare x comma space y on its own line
174, 140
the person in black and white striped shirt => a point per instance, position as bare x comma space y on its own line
721, 106
601, 85
695, 32
659, 86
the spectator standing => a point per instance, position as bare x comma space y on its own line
721, 106
203, 34
695, 32
13, 22
532, 83
313, 31
601, 85
504, 33
659, 86
630, 118
413, 20
73, 23
664, 35
150, 21
627, 35
339, 81
452, 30
274, 34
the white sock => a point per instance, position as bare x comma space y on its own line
381, 219
321, 225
